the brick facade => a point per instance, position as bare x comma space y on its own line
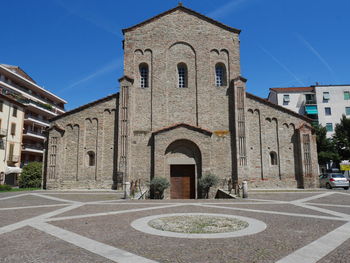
220, 129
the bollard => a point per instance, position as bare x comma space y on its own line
126, 190
245, 189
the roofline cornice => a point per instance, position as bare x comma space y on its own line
187, 10
32, 83
278, 107
83, 107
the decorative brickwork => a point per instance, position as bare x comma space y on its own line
182, 102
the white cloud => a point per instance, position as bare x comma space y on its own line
282, 65
318, 55
103, 70
87, 15
226, 9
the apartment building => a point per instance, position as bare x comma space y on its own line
324, 104
11, 127
40, 105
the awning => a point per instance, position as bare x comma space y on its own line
12, 170
311, 109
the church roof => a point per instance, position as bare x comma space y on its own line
294, 89
177, 125
85, 106
278, 107
188, 11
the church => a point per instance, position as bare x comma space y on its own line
182, 111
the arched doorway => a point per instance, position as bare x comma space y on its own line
184, 161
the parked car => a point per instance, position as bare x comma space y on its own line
347, 175
334, 180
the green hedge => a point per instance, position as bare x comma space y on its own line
157, 187
5, 187
31, 175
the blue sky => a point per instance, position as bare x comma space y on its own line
74, 47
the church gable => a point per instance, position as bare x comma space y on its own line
184, 10
184, 125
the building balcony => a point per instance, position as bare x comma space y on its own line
33, 148
16, 90
40, 108
13, 158
39, 121
33, 134
3, 133
310, 102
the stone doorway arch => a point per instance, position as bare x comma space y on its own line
184, 161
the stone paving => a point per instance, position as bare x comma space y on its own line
87, 226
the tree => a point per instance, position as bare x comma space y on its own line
206, 182
325, 147
341, 138
157, 187
31, 175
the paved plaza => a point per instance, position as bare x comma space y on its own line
87, 226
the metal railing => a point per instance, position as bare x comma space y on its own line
36, 118
33, 132
3, 132
310, 102
6, 91
32, 146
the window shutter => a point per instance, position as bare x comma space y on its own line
13, 128
12, 146
14, 112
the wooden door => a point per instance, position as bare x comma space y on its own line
182, 180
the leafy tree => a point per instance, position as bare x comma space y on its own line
325, 146
206, 182
31, 175
341, 138
157, 187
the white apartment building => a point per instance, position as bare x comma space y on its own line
11, 127
40, 106
325, 104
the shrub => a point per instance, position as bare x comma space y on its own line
157, 187
5, 187
31, 175
207, 181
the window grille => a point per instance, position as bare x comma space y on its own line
182, 72
219, 75
144, 76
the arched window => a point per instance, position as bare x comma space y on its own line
91, 156
273, 158
144, 75
182, 75
220, 75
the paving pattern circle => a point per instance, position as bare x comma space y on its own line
247, 226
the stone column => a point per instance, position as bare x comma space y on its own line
124, 131
308, 162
